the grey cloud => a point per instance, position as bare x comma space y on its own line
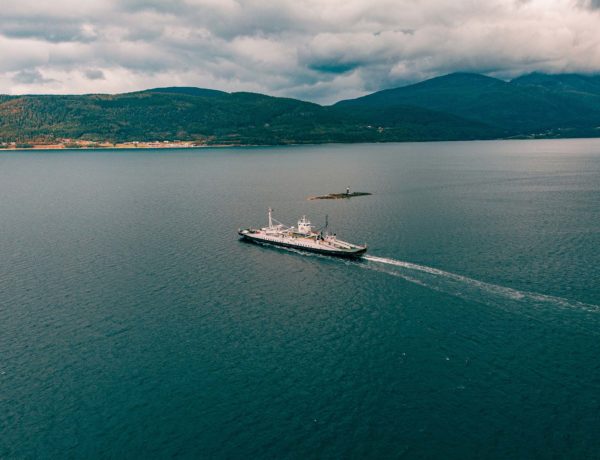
319, 50
334, 67
591, 4
55, 30
145, 34
170, 6
30, 76
94, 74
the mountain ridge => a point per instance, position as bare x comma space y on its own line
451, 107
519, 109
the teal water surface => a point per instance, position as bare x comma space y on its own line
135, 324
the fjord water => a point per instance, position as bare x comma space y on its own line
134, 324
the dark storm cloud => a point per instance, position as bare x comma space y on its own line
318, 50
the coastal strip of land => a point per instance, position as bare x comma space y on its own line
83, 144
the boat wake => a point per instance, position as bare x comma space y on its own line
474, 290
470, 289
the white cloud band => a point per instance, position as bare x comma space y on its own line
315, 50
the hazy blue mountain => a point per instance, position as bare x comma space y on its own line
187, 90
515, 108
561, 82
438, 93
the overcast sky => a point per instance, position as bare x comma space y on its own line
318, 50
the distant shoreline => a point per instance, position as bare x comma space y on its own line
53, 148
44, 148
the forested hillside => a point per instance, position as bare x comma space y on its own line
217, 118
456, 106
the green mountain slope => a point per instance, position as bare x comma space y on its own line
561, 82
216, 117
187, 90
515, 108
452, 107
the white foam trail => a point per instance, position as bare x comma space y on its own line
465, 287
461, 286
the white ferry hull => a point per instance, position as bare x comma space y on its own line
257, 237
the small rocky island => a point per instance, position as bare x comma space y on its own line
339, 196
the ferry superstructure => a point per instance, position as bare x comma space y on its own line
302, 237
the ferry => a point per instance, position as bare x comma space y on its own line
303, 237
